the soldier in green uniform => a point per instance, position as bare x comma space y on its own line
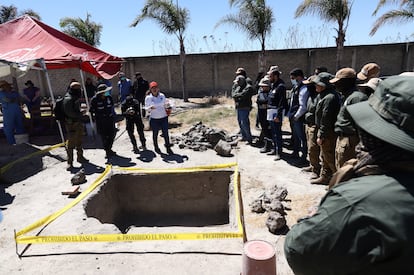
365, 222
325, 117
345, 85
73, 123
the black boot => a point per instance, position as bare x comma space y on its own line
135, 147
267, 146
156, 148
169, 151
81, 158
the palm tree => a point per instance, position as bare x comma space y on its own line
337, 11
172, 20
404, 14
83, 30
8, 13
254, 18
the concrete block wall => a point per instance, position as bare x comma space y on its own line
213, 73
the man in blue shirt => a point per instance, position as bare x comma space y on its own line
124, 86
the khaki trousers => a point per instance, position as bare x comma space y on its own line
328, 156
313, 149
345, 149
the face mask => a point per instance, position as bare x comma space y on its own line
123, 78
76, 92
294, 82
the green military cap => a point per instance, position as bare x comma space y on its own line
389, 112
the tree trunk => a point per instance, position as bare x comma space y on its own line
262, 58
340, 41
183, 76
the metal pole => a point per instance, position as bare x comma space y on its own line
43, 64
87, 102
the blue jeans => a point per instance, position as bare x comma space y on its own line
12, 121
299, 138
277, 135
158, 124
244, 123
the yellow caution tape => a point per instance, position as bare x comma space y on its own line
47, 220
133, 237
11, 164
127, 237
177, 170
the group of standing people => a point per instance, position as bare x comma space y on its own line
321, 128
135, 98
11, 103
365, 222
271, 102
358, 132
332, 130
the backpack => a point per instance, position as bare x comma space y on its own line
58, 110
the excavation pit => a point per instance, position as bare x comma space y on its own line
196, 199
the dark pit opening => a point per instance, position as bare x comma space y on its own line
174, 199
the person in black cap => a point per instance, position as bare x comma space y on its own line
326, 111
140, 90
101, 108
365, 223
130, 108
297, 110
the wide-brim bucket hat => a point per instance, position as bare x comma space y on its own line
388, 114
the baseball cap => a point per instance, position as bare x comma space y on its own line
369, 70
274, 68
240, 71
323, 79
153, 84
372, 83
343, 73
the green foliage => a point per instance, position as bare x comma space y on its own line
83, 30
210, 116
171, 18
254, 18
8, 13
337, 11
402, 15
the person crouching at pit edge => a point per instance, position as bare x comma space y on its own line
101, 108
155, 104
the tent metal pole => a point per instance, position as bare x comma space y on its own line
43, 64
87, 101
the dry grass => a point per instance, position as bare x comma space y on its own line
215, 112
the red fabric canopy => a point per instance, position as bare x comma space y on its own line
26, 38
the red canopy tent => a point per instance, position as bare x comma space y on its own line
27, 41
26, 38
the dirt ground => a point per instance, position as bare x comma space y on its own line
31, 190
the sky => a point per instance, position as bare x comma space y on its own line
147, 39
